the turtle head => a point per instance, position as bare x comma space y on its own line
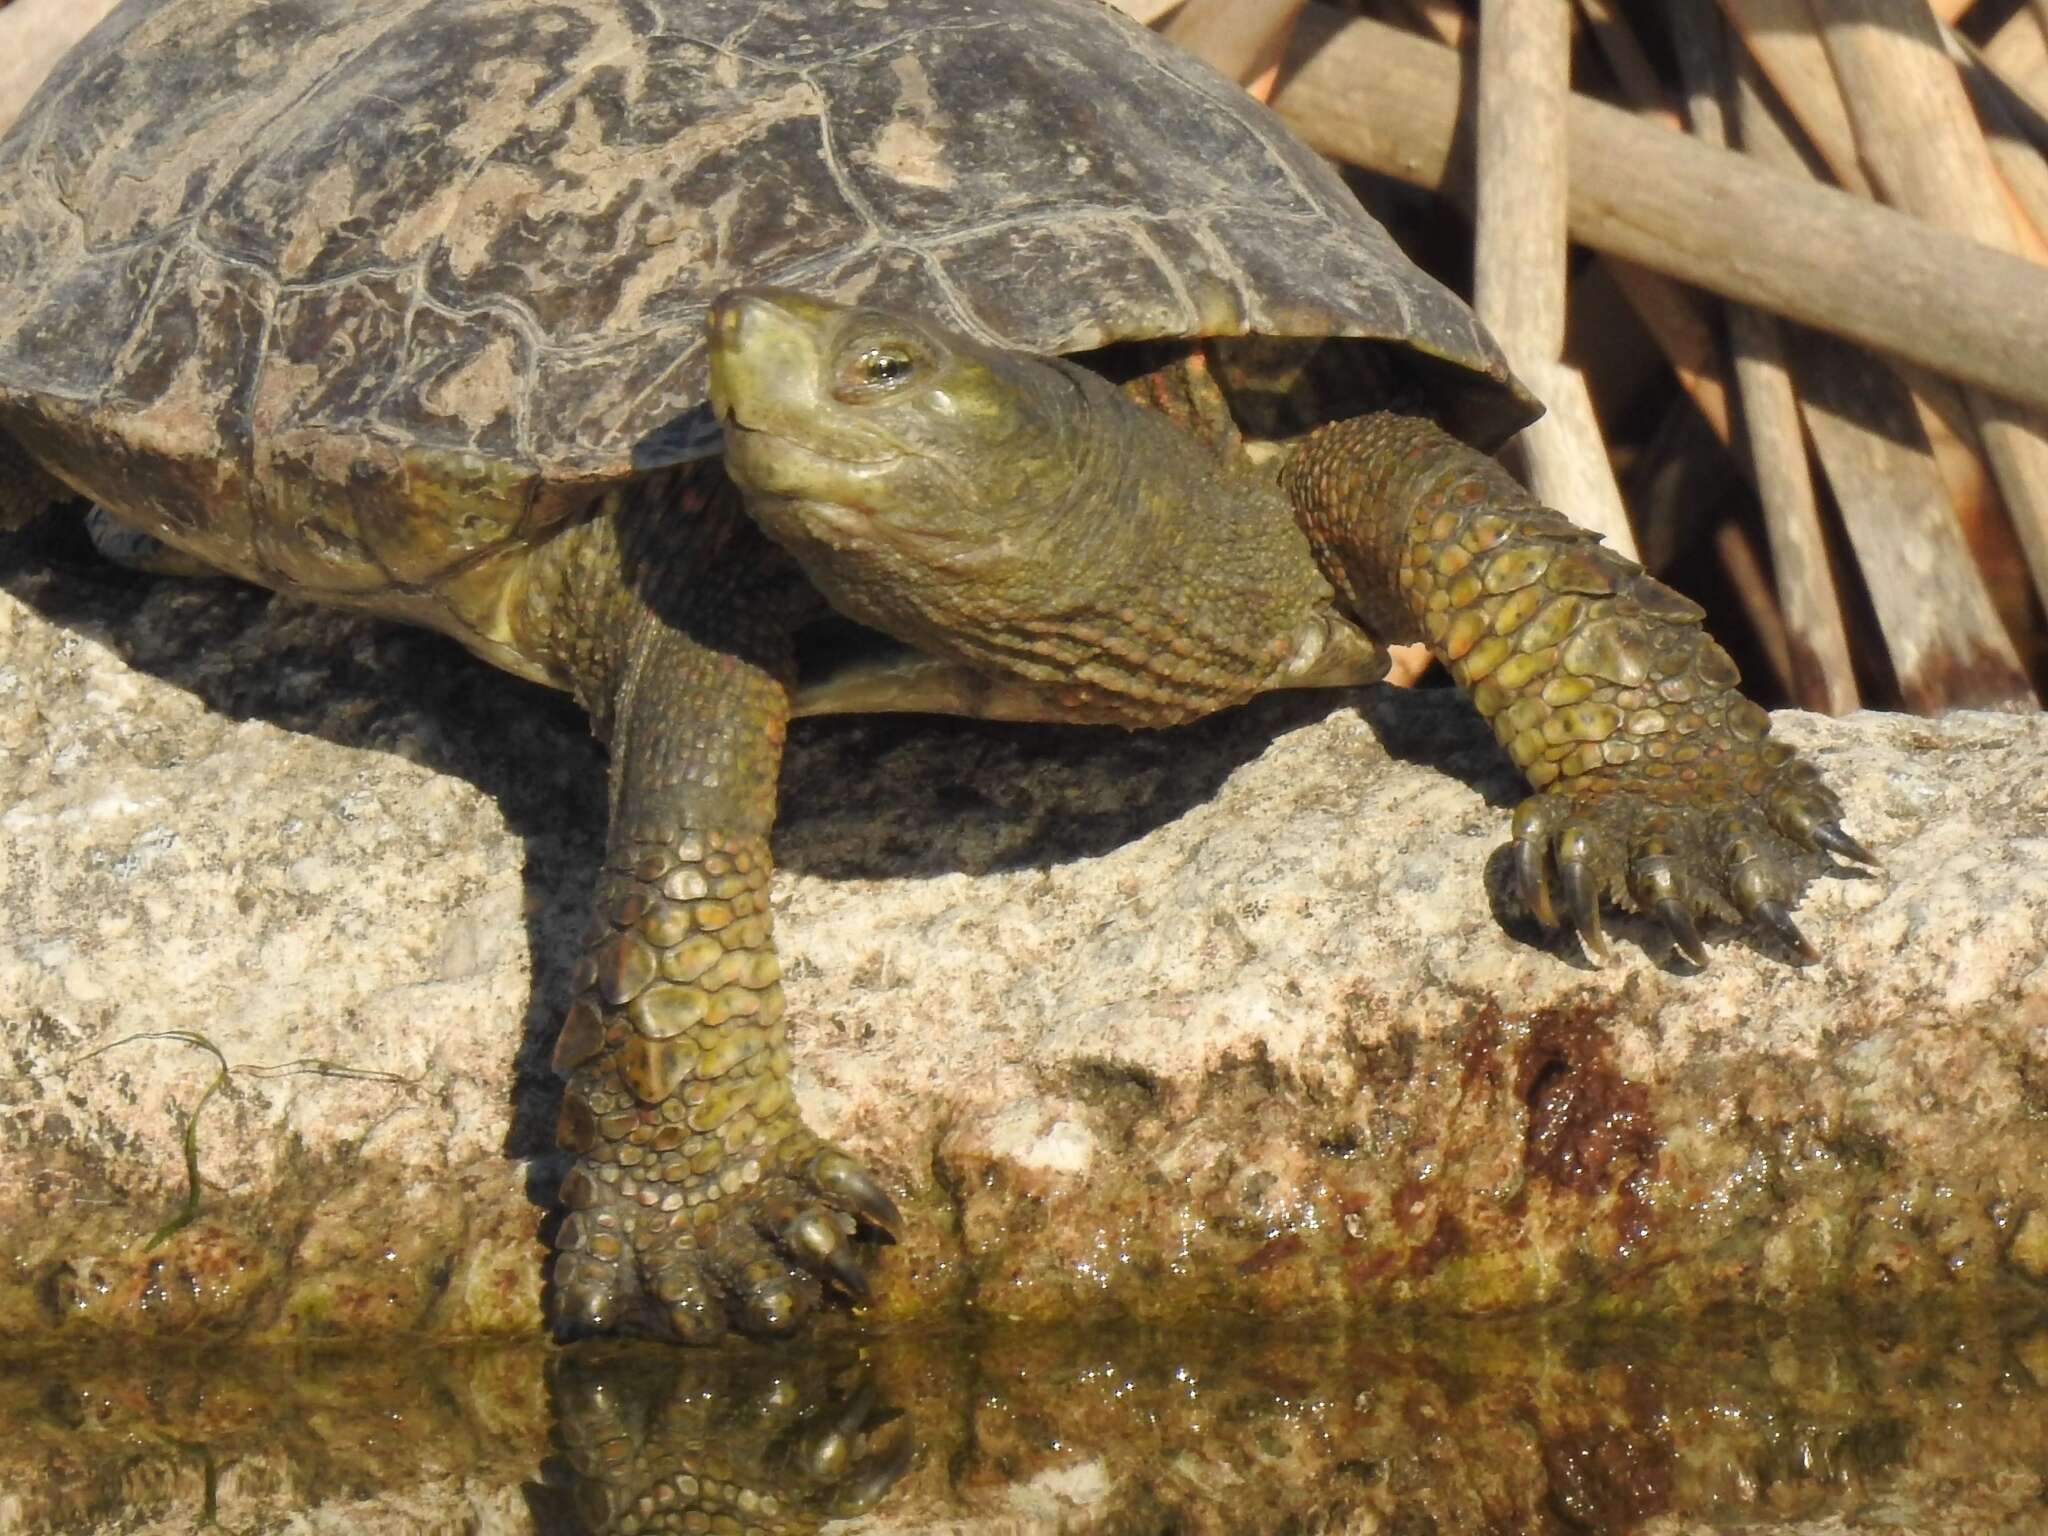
926, 483
1016, 514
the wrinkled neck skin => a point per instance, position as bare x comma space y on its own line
1091, 550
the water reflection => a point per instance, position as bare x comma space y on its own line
661, 1441
1760, 1424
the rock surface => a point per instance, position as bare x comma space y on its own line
1234, 1017
34, 34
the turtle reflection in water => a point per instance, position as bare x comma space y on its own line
767, 1445
417, 308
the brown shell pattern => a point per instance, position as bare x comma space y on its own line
349, 295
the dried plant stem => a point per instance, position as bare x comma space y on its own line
1707, 216
1916, 132
1820, 674
1521, 262
1937, 617
1243, 39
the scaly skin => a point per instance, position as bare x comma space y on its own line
1657, 783
699, 1201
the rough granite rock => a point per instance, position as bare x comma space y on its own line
1234, 1017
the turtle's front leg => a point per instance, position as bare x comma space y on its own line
699, 1202
1657, 784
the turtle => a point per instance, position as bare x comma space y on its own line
726, 361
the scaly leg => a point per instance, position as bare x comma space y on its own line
699, 1201
1657, 784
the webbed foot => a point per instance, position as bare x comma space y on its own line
752, 1244
1738, 840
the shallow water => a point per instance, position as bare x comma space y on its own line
1752, 1424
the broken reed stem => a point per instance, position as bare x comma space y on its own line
1917, 133
1443, 19
1744, 568
1244, 39
1709, 217
1625, 56
1521, 260
1674, 320
1518, 267
1146, 12
1937, 618
1781, 36
2022, 172
1814, 642
2018, 56
1678, 324
1817, 108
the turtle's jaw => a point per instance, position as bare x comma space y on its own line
765, 356
785, 435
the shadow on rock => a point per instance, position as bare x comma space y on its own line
863, 798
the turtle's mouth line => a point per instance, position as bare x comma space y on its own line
729, 422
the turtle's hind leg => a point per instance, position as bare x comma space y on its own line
1657, 784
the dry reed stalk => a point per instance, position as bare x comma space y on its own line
2018, 55
1148, 12
1819, 672
1442, 19
1674, 319
2021, 169
1934, 610
1744, 568
1918, 135
1521, 263
1244, 39
1710, 217
1784, 33
1679, 325
1783, 39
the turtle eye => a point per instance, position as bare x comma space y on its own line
873, 370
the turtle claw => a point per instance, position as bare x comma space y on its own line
819, 1243
1582, 901
852, 1187
1532, 876
1829, 835
1684, 932
1772, 915
1680, 852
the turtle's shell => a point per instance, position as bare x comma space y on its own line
358, 297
